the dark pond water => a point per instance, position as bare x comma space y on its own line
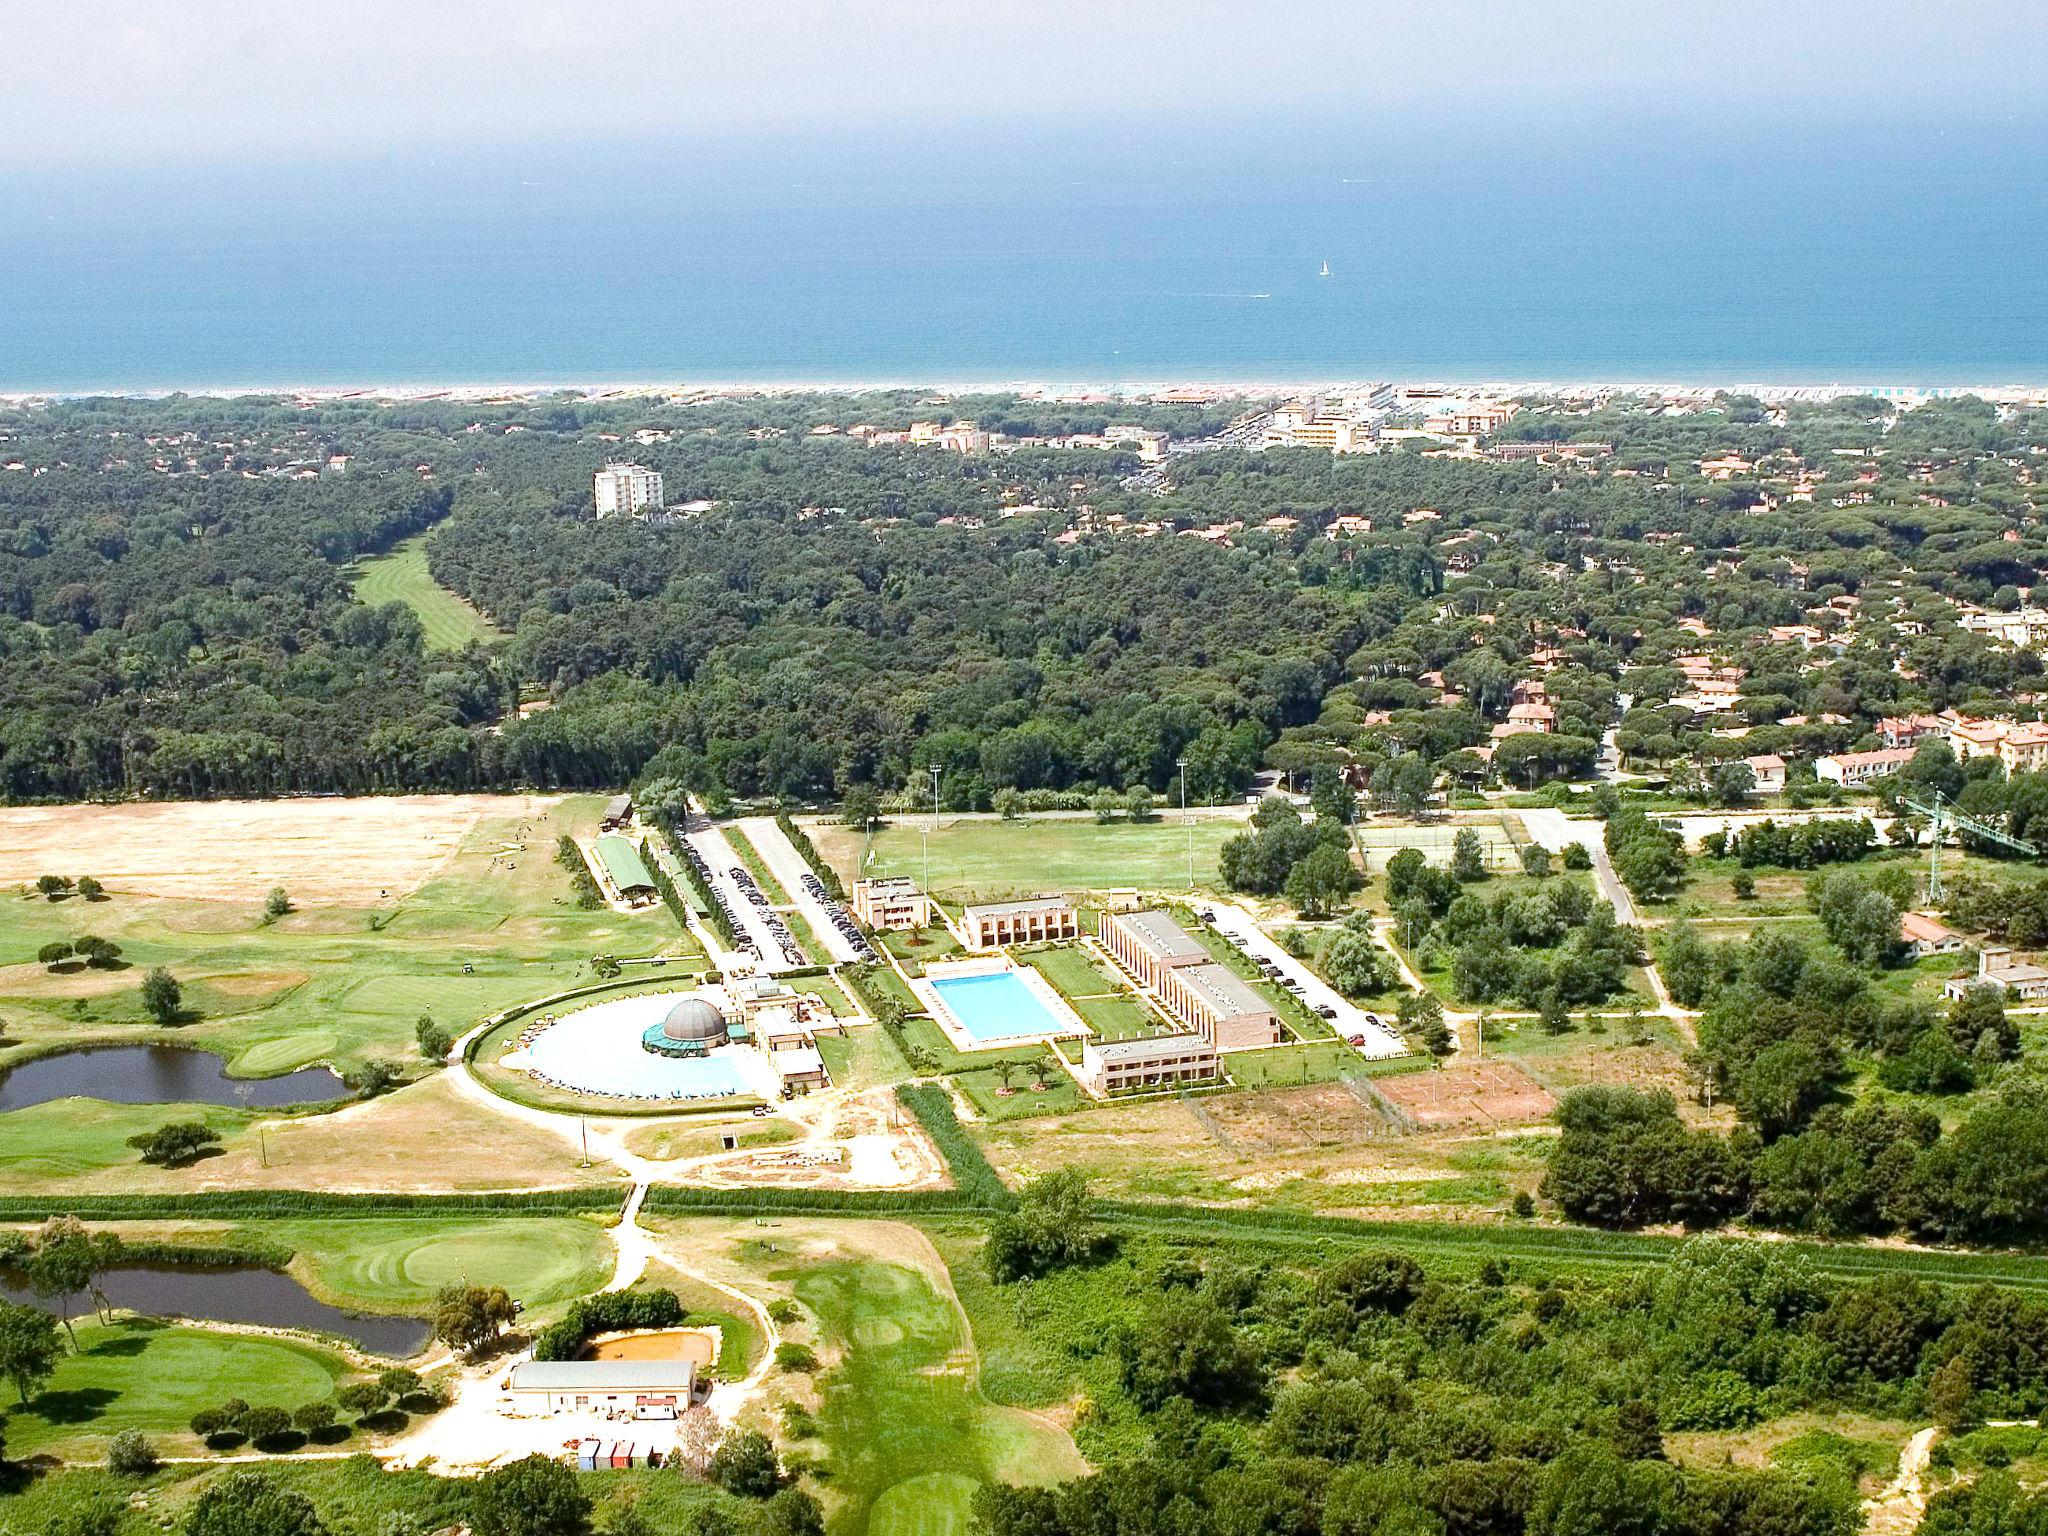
236, 1294
157, 1074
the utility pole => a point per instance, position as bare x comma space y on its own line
1187, 821
931, 827
583, 1125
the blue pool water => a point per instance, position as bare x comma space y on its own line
997, 1007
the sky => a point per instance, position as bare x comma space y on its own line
133, 83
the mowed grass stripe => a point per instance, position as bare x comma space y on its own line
396, 1262
402, 576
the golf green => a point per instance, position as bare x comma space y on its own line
909, 1434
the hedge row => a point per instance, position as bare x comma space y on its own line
606, 1312
714, 914
665, 887
676, 1200
973, 1175
800, 840
306, 1202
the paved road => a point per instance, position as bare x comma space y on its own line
722, 858
1556, 831
788, 866
1243, 930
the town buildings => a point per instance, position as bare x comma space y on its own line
1852, 769
1997, 967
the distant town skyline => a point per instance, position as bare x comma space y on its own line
222, 80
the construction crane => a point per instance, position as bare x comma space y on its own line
1941, 819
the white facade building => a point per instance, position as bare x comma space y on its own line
627, 489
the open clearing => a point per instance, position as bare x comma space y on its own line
320, 850
336, 979
1486, 1093
986, 857
448, 622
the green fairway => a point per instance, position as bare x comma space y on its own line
990, 858
909, 1434
402, 577
67, 1137
328, 982
399, 1263
150, 1376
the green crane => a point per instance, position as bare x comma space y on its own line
1941, 819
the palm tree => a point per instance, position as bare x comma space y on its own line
1005, 1070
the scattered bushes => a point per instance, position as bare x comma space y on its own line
607, 1312
581, 881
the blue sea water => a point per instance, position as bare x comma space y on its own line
1872, 257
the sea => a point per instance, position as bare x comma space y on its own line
1887, 254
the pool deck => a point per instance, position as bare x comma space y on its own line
1067, 1024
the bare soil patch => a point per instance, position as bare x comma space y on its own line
1487, 1093
1292, 1119
321, 850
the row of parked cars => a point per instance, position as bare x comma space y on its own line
743, 938
1272, 971
841, 918
792, 952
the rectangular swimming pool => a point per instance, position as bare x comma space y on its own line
998, 1006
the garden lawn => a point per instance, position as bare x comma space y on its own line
908, 1435
448, 622
151, 1376
1322, 1061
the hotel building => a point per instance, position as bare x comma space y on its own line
1171, 962
1040, 920
1163, 1061
892, 903
629, 490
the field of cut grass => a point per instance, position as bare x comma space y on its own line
909, 1436
402, 576
334, 983
150, 1376
988, 858
397, 1264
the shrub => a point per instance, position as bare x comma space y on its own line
129, 1454
795, 1357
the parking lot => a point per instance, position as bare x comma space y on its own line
1371, 1036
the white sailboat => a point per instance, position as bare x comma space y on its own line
1326, 270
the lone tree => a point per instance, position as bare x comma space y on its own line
745, 1464
470, 1317
65, 1264
177, 1144
534, 1497
90, 888
162, 997
29, 1347
1468, 856
52, 887
434, 1041
54, 953
276, 904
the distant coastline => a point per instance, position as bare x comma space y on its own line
1077, 390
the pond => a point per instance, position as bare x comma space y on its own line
236, 1293
158, 1074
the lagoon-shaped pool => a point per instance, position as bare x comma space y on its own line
597, 1050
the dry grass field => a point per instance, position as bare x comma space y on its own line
344, 851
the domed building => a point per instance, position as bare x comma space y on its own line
691, 1028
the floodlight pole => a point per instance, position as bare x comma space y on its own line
930, 828
1187, 821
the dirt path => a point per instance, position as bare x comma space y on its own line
1897, 1510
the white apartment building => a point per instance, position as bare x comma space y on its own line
631, 490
